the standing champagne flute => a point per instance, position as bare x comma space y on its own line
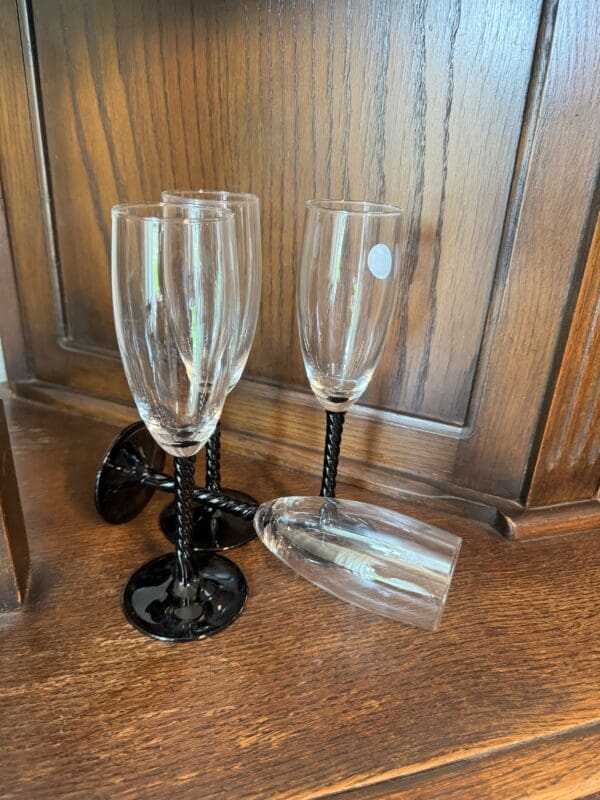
346, 299
176, 305
219, 530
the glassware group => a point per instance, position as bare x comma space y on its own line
186, 286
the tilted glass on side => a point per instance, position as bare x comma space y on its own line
382, 561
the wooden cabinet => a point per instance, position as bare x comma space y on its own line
480, 119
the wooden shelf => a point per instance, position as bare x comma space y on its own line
305, 696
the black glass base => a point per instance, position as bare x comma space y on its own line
212, 531
118, 494
157, 606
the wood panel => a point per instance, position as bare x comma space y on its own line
419, 104
25, 187
568, 462
14, 552
11, 326
532, 308
304, 695
22, 202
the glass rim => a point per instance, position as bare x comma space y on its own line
127, 211
208, 195
363, 208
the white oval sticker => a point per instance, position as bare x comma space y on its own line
380, 261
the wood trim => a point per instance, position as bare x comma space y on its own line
533, 523
273, 410
568, 461
529, 313
11, 331
281, 415
287, 426
38, 135
562, 767
14, 550
58, 397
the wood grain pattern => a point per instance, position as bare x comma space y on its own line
14, 551
418, 104
560, 768
11, 330
568, 461
304, 696
532, 523
21, 200
532, 306
265, 422
25, 214
279, 423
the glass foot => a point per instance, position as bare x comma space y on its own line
157, 606
212, 531
118, 493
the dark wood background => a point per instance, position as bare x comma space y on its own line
417, 104
479, 119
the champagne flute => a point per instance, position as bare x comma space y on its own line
176, 305
220, 530
346, 298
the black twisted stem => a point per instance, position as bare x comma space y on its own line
213, 461
221, 502
333, 442
184, 496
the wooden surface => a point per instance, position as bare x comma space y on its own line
14, 552
303, 696
568, 462
558, 768
28, 207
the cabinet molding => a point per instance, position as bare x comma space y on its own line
567, 467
